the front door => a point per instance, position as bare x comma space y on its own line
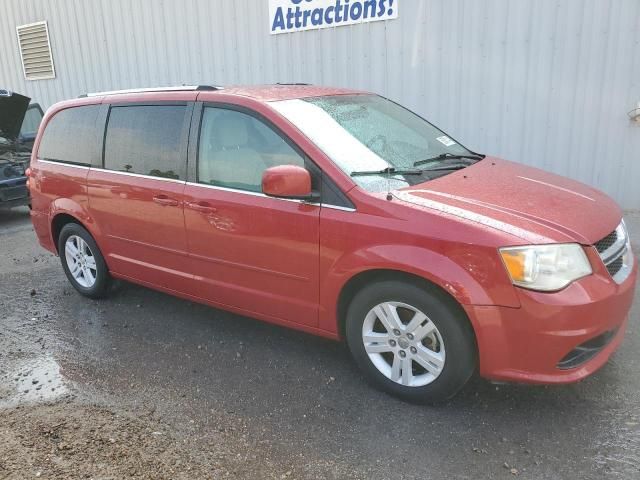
250, 251
137, 200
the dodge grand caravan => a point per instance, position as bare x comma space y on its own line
342, 214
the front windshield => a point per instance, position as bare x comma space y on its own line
370, 133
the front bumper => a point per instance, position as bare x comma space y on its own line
13, 192
559, 337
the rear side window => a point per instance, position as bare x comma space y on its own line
70, 136
146, 140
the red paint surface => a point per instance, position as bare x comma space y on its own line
525, 344
288, 262
256, 253
288, 181
547, 206
142, 227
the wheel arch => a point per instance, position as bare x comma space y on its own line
366, 277
64, 211
472, 279
57, 224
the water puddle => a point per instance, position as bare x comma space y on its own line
33, 380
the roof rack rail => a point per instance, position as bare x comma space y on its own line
181, 88
294, 83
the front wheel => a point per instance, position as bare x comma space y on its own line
410, 341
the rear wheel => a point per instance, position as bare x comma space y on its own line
413, 342
82, 261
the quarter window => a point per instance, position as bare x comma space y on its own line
235, 148
70, 136
146, 140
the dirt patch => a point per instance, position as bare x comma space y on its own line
66, 440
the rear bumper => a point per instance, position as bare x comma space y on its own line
42, 227
557, 337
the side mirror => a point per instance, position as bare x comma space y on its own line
288, 181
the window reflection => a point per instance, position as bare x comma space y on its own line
146, 140
70, 136
236, 148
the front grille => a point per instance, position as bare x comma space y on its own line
615, 266
615, 252
606, 242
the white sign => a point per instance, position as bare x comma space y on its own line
446, 141
295, 15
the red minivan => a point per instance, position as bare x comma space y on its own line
343, 214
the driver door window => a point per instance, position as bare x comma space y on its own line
236, 148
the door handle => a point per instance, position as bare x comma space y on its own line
202, 207
165, 201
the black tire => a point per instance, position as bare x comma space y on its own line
448, 317
102, 278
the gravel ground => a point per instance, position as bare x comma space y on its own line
70, 440
144, 385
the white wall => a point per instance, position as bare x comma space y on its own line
543, 82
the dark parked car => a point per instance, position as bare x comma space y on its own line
19, 122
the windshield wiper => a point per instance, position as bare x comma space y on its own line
450, 166
387, 171
449, 156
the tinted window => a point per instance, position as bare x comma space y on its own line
31, 122
235, 148
70, 136
146, 140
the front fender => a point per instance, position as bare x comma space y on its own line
472, 275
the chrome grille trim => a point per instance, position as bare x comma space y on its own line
615, 252
607, 241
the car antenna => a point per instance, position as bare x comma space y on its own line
389, 196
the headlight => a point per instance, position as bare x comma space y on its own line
546, 267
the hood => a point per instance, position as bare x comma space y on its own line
12, 110
537, 206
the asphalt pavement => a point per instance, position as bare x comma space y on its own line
295, 400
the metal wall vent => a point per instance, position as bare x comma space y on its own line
35, 51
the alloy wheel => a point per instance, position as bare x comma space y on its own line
403, 344
81, 261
